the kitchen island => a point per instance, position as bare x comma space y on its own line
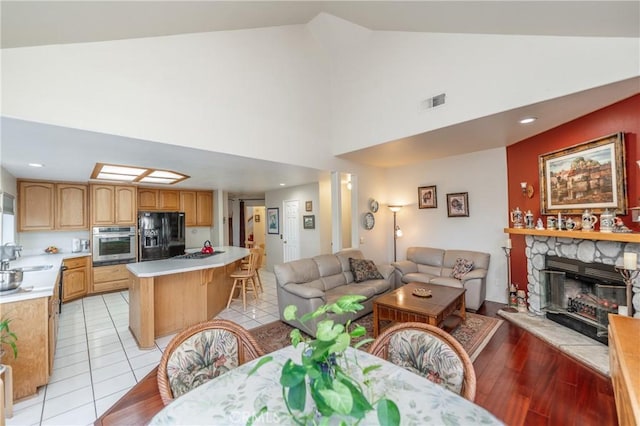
166, 296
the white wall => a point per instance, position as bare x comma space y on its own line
220, 91
377, 88
310, 240
483, 175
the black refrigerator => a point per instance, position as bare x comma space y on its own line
161, 235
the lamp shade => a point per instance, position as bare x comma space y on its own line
395, 209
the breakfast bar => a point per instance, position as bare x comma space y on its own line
166, 296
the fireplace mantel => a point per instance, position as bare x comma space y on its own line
631, 237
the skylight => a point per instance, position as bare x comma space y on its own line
135, 174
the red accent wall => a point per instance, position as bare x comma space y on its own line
522, 164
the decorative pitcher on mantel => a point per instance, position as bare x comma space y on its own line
517, 218
606, 221
589, 221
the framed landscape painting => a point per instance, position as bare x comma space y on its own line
427, 197
273, 221
590, 175
309, 222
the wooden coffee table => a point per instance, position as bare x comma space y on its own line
402, 306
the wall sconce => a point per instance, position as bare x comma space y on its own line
397, 232
527, 190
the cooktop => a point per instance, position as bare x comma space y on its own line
196, 255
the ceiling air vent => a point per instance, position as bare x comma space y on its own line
433, 102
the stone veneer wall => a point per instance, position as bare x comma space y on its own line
606, 252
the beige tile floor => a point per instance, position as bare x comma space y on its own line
97, 360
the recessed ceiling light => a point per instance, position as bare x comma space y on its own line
527, 120
36, 165
282, 184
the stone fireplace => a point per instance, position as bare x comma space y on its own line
540, 248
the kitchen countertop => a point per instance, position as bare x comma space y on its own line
42, 282
170, 266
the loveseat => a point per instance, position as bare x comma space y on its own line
312, 282
446, 267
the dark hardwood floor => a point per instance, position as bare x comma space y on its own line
523, 380
520, 379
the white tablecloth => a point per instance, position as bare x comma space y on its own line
233, 397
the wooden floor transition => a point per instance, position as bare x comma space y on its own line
521, 380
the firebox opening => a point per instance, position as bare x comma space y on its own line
580, 295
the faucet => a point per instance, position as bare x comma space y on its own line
12, 251
4, 265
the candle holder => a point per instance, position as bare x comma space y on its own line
508, 308
628, 275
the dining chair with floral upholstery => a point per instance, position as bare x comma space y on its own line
203, 352
430, 352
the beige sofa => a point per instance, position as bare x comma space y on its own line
312, 282
435, 266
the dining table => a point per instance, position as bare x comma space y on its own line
236, 396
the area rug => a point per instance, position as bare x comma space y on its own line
473, 334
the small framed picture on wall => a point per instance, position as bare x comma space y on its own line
273, 221
308, 206
427, 198
256, 218
458, 204
309, 222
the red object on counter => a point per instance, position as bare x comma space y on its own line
207, 249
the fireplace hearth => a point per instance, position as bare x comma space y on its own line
581, 295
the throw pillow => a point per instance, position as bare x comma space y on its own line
461, 267
364, 270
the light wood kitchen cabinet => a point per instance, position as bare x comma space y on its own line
158, 199
36, 206
71, 206
168, 200
52, 323
75, 280
50, 206
113, 205
147, 199
189, 205
110, 278
35, 322
197, 207
204, 212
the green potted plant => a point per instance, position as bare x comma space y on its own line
323, 373
7, 337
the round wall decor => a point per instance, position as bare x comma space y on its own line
369, 221
373, 205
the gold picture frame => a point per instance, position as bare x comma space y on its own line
590, 175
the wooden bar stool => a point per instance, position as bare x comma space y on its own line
6, 393
242, 278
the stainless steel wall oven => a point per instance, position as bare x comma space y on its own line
113, 245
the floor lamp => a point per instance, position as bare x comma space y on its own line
397, 232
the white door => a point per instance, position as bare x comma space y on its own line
291, 230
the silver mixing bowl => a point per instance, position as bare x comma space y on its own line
10, 280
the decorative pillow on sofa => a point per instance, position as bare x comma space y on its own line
461, 267
364, 270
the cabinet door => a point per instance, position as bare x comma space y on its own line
54, 316
205, 209
188, 205
147, 199
102, 205
125, 203
36, 206
74, 284
168, 200
71, 202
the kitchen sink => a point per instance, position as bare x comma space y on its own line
33, 268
